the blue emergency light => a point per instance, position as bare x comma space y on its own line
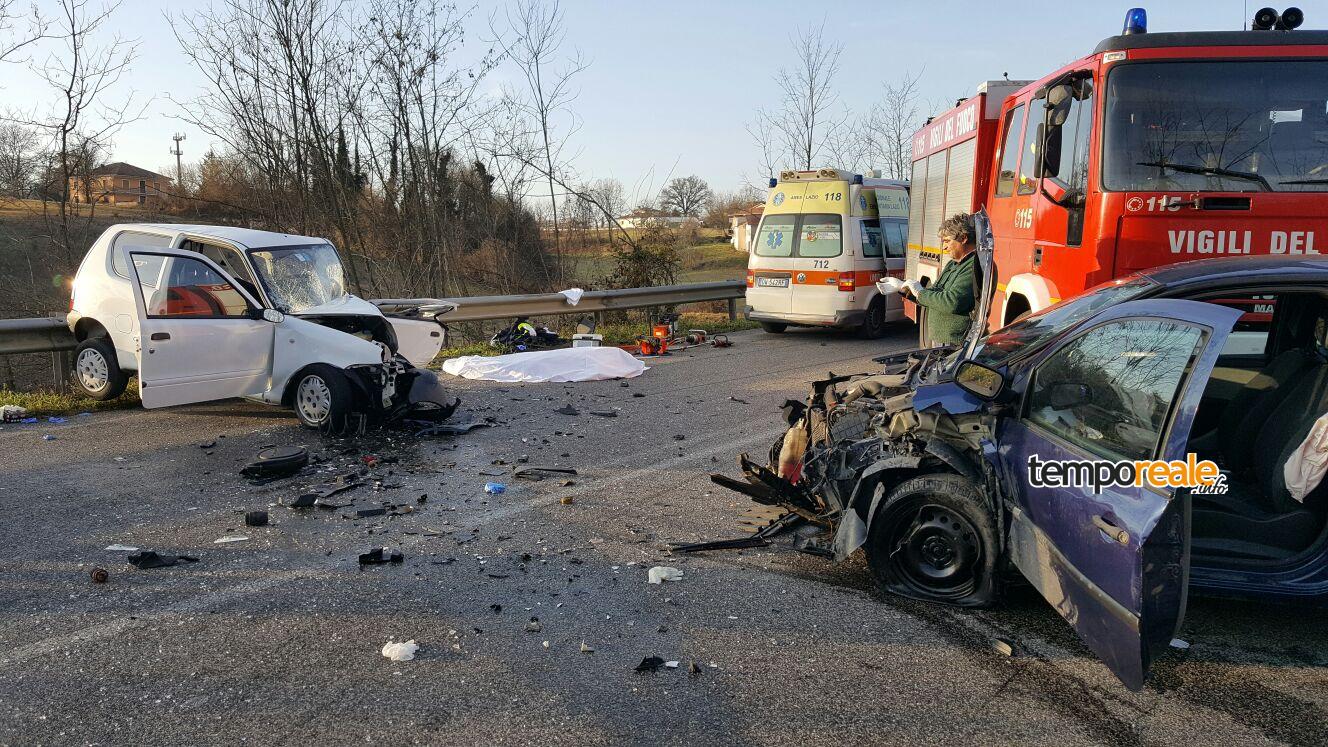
1136, 22
773, 182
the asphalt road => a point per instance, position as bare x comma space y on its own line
276, 639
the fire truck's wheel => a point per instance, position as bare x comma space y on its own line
873, 326
774, 328
932, 538
323, 399
96, 371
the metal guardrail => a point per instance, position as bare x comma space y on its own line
480, 308
51, 335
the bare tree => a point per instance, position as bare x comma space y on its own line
83, 74
538, 25
20, 159
890, 126
19, 28
687, 196
806, 116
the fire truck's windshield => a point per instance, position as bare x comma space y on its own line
1227, 126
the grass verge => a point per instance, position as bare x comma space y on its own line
47, 403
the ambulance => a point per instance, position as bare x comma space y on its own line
825, 238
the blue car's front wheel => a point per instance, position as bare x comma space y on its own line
933, 538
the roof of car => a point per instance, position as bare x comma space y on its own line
1218, 268
246, 237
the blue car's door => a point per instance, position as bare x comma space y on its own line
1122, 387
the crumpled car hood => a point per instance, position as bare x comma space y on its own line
344, 306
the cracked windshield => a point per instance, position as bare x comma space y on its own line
300, 277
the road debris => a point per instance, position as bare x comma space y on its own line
100, 575
567, 409
145, 559
741, 543
604, 413
452, 429
49, 437
230, 539
538, 472
567, 500
494, 488
1180, 645
661, 573
208, 445
672, 664
587, 648
650, 664
381, 555
693, 669
365, 513
12, 413
255, 519
534, 625
739, 401
400, 651
276, 462
121, 548
1004, 646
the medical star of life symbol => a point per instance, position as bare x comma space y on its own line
775, 239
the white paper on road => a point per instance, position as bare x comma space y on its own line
567, 364
400, 651
661, 573
573, 295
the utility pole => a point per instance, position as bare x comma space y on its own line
179, 167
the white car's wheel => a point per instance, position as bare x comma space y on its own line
96, 371
323, 399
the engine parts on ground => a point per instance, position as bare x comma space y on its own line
276, 461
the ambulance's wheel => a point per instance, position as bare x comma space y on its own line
774, 328
873, 326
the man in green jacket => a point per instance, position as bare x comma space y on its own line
950, 300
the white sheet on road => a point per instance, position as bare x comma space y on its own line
567, 364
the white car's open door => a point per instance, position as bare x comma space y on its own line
199, 339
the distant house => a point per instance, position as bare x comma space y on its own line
742, 226
120, 183
642, 217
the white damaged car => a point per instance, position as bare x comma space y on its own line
203, 313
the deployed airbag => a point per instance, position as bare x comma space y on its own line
567, 364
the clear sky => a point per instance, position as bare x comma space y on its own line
671, 85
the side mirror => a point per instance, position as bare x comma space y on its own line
1067, 394
274, 316
979, 381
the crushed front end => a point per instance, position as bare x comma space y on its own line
857, 437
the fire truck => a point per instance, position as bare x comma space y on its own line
1156, 148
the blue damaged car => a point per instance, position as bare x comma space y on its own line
947, 467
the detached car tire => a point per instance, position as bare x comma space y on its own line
774, 328
322, 399
97, 372
934, 539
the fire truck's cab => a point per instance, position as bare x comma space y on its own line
825, 238
1157, 148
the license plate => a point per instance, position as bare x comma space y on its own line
772, 282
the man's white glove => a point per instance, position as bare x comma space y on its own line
889, 285
913, 287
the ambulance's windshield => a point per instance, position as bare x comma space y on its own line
1223, 126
